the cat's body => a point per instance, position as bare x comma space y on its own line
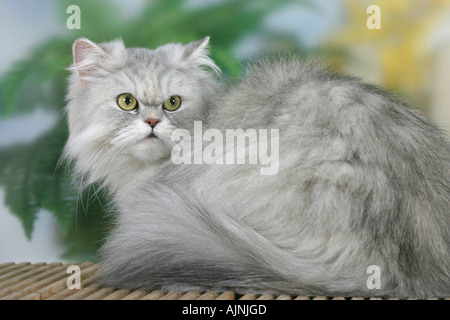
362, 181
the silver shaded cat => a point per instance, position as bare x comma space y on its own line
363, 180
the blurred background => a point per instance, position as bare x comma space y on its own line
44, 217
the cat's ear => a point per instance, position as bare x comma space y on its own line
90, 59
87, 57
198, 53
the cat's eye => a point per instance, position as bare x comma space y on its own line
172, 104
127, 102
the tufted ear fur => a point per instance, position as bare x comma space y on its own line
198, 53
90, 59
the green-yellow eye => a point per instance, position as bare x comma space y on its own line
127, 102
172, 104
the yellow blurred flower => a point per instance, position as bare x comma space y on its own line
402, 45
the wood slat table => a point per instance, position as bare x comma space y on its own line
48, 281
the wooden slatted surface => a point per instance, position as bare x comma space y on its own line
48, 281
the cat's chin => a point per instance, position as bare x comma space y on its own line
151, 150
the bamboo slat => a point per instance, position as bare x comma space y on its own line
154, 295
227, 295
190, 295
48, 281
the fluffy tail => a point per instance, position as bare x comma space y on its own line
179, 245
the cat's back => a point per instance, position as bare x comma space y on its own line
307, 99
291, 90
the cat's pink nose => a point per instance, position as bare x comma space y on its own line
152, 122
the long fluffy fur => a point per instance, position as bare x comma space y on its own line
363, 180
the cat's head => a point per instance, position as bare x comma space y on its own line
124, 104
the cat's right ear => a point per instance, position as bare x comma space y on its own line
197, 52
87, 57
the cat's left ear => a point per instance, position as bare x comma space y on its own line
197, 52
92, 60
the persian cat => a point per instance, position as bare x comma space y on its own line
362, 186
